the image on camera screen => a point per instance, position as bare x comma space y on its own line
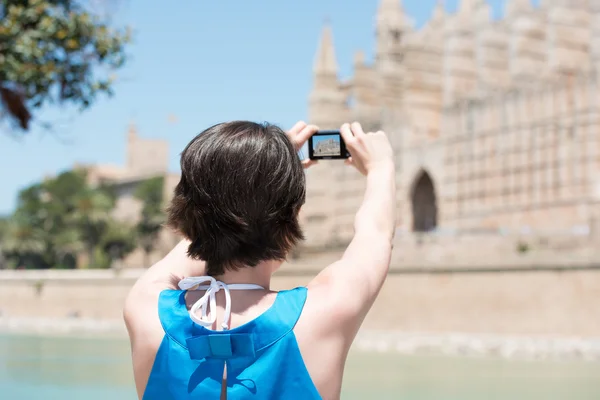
326, 145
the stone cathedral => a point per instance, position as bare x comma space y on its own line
495, 123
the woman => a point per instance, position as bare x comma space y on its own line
204, 323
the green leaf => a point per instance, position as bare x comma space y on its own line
54, 51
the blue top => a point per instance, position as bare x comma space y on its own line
262, 356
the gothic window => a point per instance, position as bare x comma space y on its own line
424, 204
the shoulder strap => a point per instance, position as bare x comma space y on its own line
289, 306
282, 317
174, 317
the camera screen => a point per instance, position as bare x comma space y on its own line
327, 146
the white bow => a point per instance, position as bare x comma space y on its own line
214, 286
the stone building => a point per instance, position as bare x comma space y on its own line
327, 147
145, 159
495, 123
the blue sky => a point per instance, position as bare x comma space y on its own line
203, 62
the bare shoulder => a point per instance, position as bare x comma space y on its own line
144, 327
141, 306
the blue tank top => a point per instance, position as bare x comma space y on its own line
262, 356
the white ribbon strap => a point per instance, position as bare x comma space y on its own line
210, 298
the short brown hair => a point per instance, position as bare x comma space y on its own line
242, 185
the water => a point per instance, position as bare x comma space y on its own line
33, 368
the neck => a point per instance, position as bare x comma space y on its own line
259, 275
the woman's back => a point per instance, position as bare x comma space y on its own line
262, 357
279, 345
239, 213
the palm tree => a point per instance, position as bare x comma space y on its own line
56, 220
24, 243
118, 241
91, 215
3, 235
67, 244
151, 221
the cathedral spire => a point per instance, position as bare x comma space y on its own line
439, 11
468, 6
327, 103
390, 14
389, 5
325, 61
392, 23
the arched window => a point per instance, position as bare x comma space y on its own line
424, 204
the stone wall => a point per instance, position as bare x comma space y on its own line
534, 150
532, 297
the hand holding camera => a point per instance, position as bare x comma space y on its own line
368, 151
299, 134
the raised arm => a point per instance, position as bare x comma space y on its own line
353, 282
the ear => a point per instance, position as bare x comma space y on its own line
299, 215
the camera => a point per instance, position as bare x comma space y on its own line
327, 145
